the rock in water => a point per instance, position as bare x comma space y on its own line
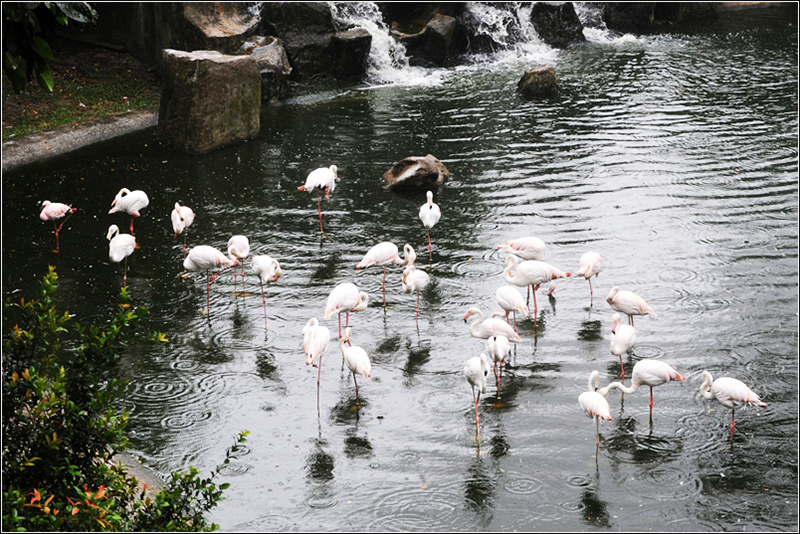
538, 82
416, 172
208, 100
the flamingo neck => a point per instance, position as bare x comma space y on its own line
705, 388
473, 327
621, 387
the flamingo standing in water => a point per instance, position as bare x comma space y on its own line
590, 265
268, 270
527, 248
476, 369
129, 202
206, 258
415, 280
315, 343
628, 303
511, 301
531, 273
239, 247
484, 329
345, 298
385, 254
52, 211
120, 246
498, 347
731, 393
594, 404
356, 358
646, 373
322, 179
429, 214
182, 218
623, 336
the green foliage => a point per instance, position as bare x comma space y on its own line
61, 428
26, 55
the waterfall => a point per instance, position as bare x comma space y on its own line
388, 63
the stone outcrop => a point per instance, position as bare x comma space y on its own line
557, 23
350, 54
208, 100
431, 46
538, 82
416, 172
273, 65
314, 47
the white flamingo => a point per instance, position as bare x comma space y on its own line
476, 369
628, 303
729, 392
498, 347
206, 258
527, 248
385, 254
530, 273
130, 202
315, 343
594, 403
345, 298
623, 336
322, 179
429, 214
52, 211
483, 329
646, 373
415, 280
268, 270
239, 247
511, 301
120, 246
591, 264
182, 218
356, 358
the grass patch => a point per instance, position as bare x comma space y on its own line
90, 83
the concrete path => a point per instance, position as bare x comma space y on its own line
44, 145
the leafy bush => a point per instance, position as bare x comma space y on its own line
61, 428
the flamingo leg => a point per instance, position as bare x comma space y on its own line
319, 211
430, 245
208, 290
418, 295
591, 292
535, 306
651, 401
264, 301
622, 368
733, 422
56, 230
515, 320
598, 432
125, 274
184, 243
131, 225
356, 383
319, 375
383, 286
497, 376
477, 415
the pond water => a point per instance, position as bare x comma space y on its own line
673, 156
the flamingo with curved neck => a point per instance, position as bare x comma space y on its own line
729, 392
646, 373
594, 403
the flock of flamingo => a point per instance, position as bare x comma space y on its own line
524, 267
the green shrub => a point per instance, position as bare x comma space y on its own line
61, 428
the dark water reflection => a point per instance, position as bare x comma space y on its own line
673, 156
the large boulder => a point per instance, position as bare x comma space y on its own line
306, 29
350, 54
208, 100
431, 46
416, 172
273, 64
557, 23
538, 82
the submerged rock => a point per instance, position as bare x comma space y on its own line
538, 82
416, 172
208, 100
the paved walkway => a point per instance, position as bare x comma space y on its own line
44, 145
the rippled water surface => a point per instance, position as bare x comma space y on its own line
673, 156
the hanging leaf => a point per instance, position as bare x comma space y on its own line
42, 48
45, 78
78, 11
